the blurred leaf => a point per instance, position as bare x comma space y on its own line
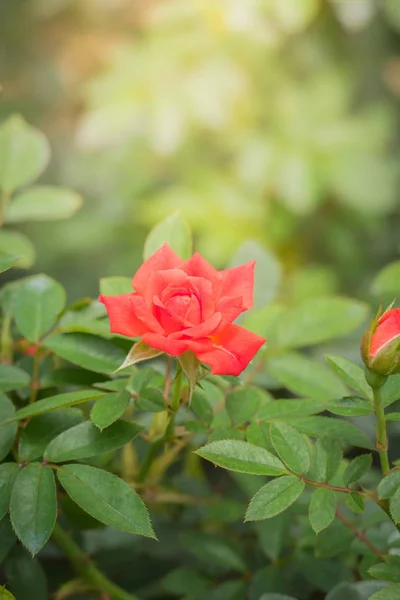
173, 231
7, 538
392, 592
242, 405
230, 590
264, 320
361, 590
87, 351
14, 242
7, 432
272, 535
276, 597
291, 447
185, 581
25, 576
388, 570
351, 406
8, 260
12, 378
33, 506
43, 203
389, 484
24, 153
322, 508
106, 497
214, 549
243, 457
391, 390
336, 428
202, 407
114, 286
387, 282
6, 595
109, 408
274, 497
333, 540
8, 472
282, 409
351, 374
355, 502
37, 303
151, 400
356, 468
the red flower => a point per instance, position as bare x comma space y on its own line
179, 306
380, 347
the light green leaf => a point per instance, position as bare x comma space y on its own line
16, 243
6, 595
139, 352
242, 457
387, 282
173, 231
109, 408
87, 351
24, 154
274, 497
357, 468
264, 321
392, 416
9, 431
12, 378
115, 286
355, 502
392, 592
33, 506
106, 497
283, 409
388, 570
40, 430
43, 203
391, 390
37, 303
322, 509
242, 404
317, 426
306, 377
7, 261
389, 485
85, 440
45, 405
8, 473
350, 406
328, 455
291, 446
151, 400
351, 374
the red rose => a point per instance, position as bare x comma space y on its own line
380, 347
179, 306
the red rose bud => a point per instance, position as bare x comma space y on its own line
380, 346
181, 306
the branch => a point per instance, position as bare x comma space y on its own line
360, 535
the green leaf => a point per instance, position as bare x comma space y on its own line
190, 366
115, 286
276, 597
328, 456
8, 260
17, 244
283, 409
139, 352
24, 154
350, 406
392, 592
202, 407
49, 404
388, 570
391, 390
393, 416
106, 497
351, 374
8, 472
236, 455
394, 506
291, 447
9, 431
387, 281
25, 575
389, 485
43, 203
274, 497
37, 304
87, 351
151, 400
12, 378
173, 231
6, 595
85, 440
185, 581
7, 538
264, 321
356, 468
327, 426
317, 320
333, 540
306, 377
40, 430
242, 404
355, 502
215, 549
322, 509
267, 268
33, 506
109, 408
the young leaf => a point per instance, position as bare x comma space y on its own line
25, 575
12, 378
40, 430
7, 432
85, 440
109, 408
242, 457
274, 497
87, 351
190, 366
43, 203
139, 352
151, 400
8, 472
351, 374
322, 509
242, 405
106, 497
350, 406
8, 260
389, 485
174, 231
328, 454
33, 506
291, 447
357, 468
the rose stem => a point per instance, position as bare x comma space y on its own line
381, 434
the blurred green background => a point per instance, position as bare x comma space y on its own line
275, 121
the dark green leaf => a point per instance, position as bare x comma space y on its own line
333, 540
201, 407
274, 497
322, 509
25, 576
85, 440
7, 538
12, 378
242, 404
151, 400
109, 408
6, 595
394, 506
8, 472
291, 447
184, 581
391, 390
388, 570
272, 535
351, 374
174, 231
208, 547
242, 457
357, 468
7, 432
328, 455
43, 203
106, 497
33, 506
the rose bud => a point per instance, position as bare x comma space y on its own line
380, 346
187, 306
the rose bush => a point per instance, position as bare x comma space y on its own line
179, 306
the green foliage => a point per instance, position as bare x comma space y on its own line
274, 497
173, 231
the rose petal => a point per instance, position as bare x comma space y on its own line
122, 315
202, 330
387, 329
232, 350
230, 308
165, 344
143, 312
197, 266
164, 258
239, 281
